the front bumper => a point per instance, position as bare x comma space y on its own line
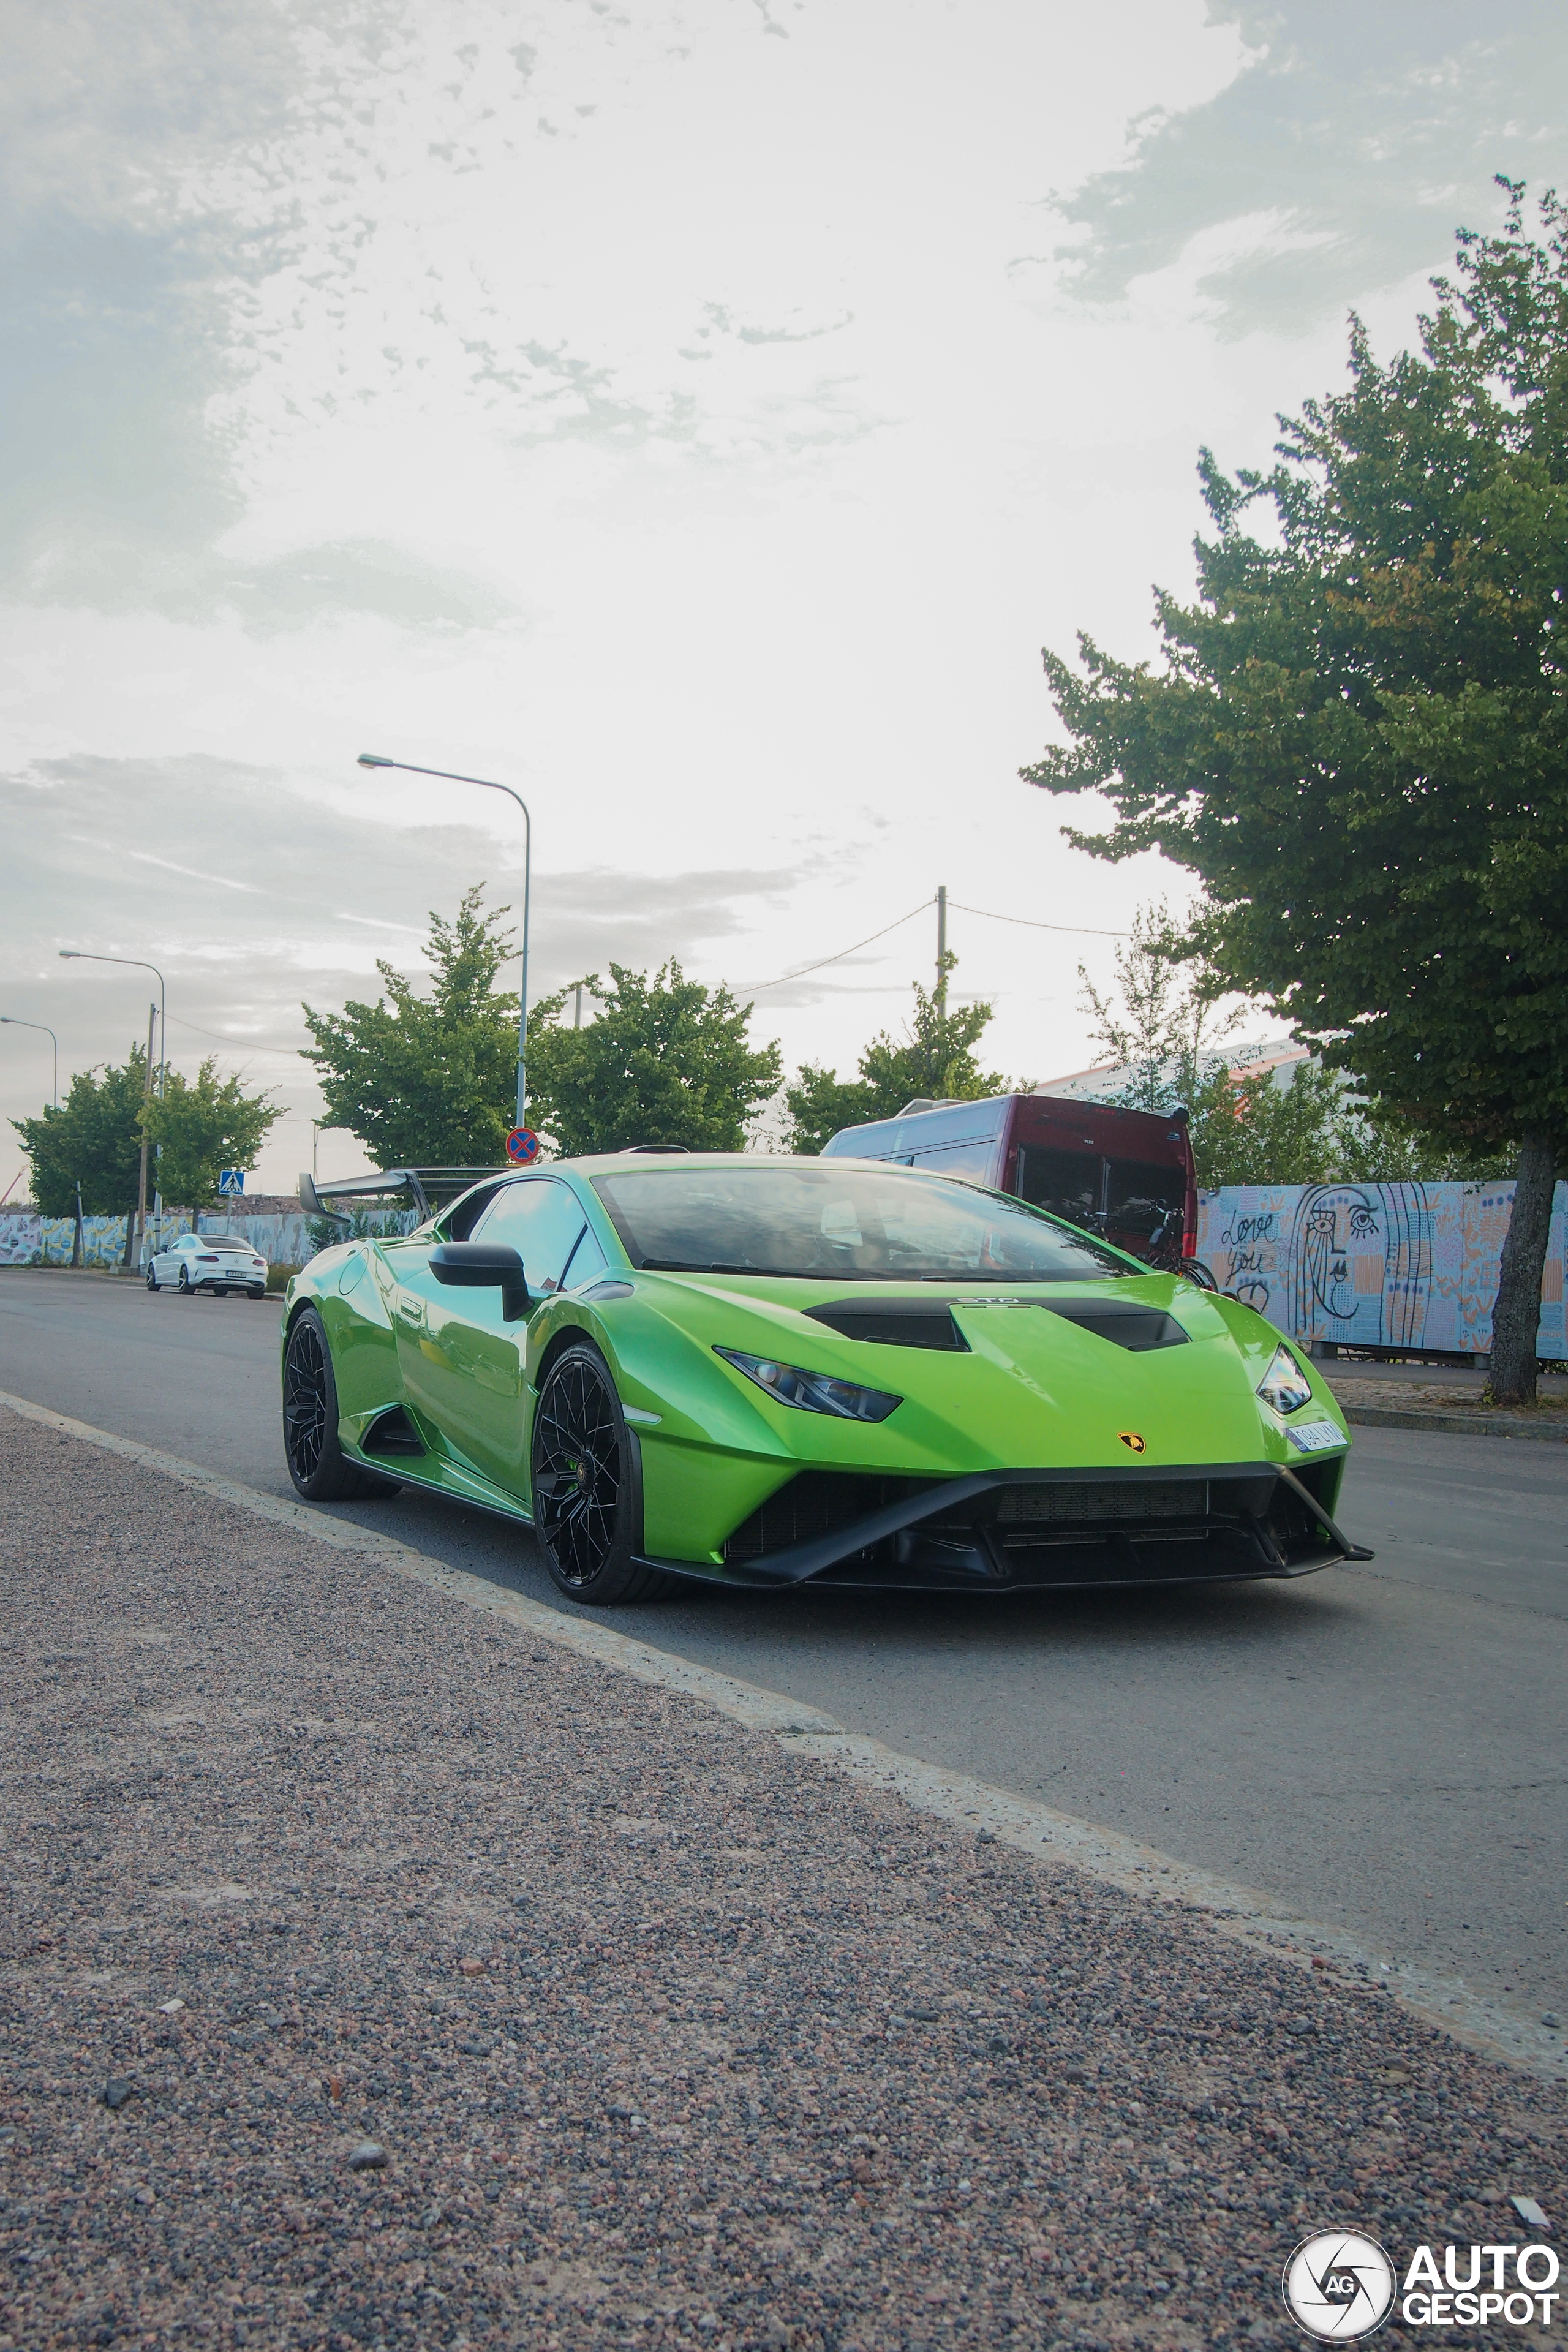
1029, 1530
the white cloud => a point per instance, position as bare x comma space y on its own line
659, 414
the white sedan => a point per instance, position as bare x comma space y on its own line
215, 1261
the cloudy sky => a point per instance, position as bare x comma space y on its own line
696, 415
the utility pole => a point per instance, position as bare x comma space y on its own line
142, 1184
941, 952
577, 1014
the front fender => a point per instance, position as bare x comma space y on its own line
342, 1284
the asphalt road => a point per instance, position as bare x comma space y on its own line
1383, 1747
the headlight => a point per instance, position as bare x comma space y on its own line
813, 1392
1284, 1385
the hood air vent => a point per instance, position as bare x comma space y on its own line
894, 1323
1137, 1328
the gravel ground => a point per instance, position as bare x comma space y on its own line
665, 2035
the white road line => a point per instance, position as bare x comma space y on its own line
1060, 1840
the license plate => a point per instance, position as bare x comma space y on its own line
1315, 1438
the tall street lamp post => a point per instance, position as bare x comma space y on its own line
374, 760
137, 963
14, 1021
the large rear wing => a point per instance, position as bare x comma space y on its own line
426, 1189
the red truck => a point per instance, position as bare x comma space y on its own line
1126, 1174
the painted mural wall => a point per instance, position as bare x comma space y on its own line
1376, 1266
1371, 1265
29, 1240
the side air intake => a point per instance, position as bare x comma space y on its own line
393, 1433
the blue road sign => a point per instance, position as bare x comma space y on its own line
521, 1145
231, 1180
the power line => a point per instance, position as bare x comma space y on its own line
237, 1045
755, 987
1081, 930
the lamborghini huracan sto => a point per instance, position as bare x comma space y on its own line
774, 1372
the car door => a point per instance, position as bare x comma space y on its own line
462, 1363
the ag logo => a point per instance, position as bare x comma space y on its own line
1339, 2287
1131, 1439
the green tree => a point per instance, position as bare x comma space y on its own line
933, 1060
430, 1081
1164, 1026
1358, 735
203, 1126
94, 1136
1307, 1129
667, 1061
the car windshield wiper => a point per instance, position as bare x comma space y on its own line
1033, 1275
861, 1274
704, 1266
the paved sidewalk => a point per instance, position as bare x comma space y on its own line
666, 2035
1456, 1410
1443, 1397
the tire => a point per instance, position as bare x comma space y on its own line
321, 1471
1197, 1272
255, 1293
184, 1284
220, 1292
587, 1485
153, 1281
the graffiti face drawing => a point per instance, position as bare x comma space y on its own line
1362, 1263
1336, 1226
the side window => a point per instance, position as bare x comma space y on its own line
970, 1159
587, 1262
1066, 1184
1140, 1193
540, 1220
465, 1214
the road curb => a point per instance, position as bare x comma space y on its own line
1000, 1816
1453, 1425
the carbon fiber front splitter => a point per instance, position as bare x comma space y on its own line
946, 1538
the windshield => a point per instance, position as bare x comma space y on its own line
855, 1225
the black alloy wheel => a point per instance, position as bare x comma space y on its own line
320, 1468
587, 1484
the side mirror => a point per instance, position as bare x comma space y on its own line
483, 1265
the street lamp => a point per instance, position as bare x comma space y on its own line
87, 955
137, 963
375, 760
13, 1021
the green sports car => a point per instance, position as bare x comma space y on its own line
771, 1371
